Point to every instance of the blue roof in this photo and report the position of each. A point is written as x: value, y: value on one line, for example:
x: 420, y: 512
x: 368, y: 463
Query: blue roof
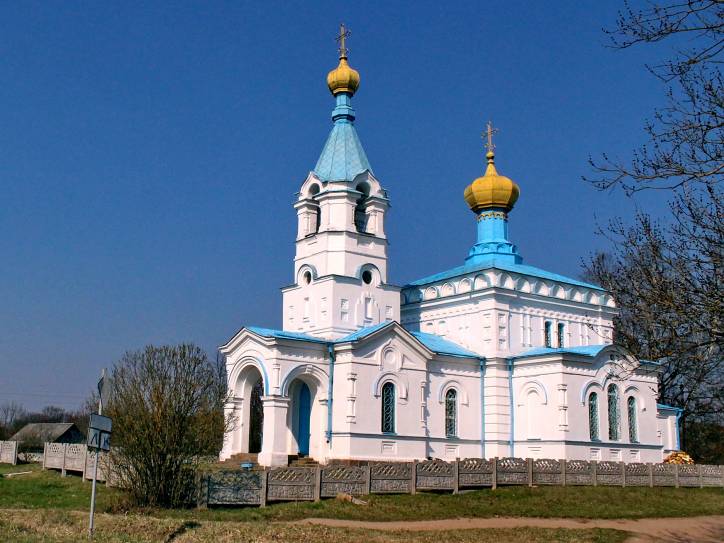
x: 440, y: 345
x: 588, y: 350
x: 343, y: 157
x: 500, y: 265
x: 670, y: 407
x: 282, y: 334
x: 363, y: 332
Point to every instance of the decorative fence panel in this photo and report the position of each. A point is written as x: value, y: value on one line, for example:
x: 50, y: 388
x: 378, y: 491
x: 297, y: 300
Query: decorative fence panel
x: 435, y: 475
x: 548, y: 472
x: 53, y: 456
x: 103, y: 465
x: 512, y: 471
x: 476, y: 472
x: 638, y: 474
x: 580, y: 472
x: 75, y: 457
x: 352, y: 480
x: 9, y: 452
x: 391, y: 478
x: 711, y: 475
x: 231, y: 488
x: 609, y: 473
x: 291, y: 484
x: 689, y: 475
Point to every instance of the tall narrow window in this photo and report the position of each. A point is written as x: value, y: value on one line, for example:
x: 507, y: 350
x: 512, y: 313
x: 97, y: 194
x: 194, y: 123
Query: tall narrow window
x: 614, y: 419
x: 561, y: 331
x: 451, y: 413
x: 547, y: 334
x: 388, y: 408
x: 633, y: 434
x: 593, y: 416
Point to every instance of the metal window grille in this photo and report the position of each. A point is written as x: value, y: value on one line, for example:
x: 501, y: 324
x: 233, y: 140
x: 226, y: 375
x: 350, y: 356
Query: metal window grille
x: 614, y: 422
x: 561, y: 330
x: 547, y: 334
x: 633, y: 436
x: 388, y: 408
x: 451, y: 413
x: 593, y: 416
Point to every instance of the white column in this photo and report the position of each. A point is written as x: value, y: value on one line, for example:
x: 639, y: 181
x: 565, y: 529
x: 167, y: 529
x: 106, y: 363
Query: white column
x: 274, y: 451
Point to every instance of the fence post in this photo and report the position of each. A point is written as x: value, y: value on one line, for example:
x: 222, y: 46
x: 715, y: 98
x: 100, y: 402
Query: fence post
x: 701, y: 477
x: 317, y: 483
x: 264, y: 484
x: 563, y: 472
x: 62, y: 471
x: 45, y: 453
x: 368, y: 473
x: 413, y: 477
x: 676, y: 475
x: 529, y: 462
x: 623, y: 473
x: 651, y: 475
x: 456, y: 476
x: 594, y: 472
x: 495, y: 473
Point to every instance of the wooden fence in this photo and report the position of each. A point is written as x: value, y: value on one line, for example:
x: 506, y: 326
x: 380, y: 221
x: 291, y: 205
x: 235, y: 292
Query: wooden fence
x: 76, y: 458
x: 9, y: 452
x: 311, y: 484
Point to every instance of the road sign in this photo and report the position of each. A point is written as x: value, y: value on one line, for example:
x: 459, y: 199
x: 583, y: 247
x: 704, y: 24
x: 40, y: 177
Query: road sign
x: 99, y: 432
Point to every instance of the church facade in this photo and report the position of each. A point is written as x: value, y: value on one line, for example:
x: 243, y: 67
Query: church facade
x: 491, y: 358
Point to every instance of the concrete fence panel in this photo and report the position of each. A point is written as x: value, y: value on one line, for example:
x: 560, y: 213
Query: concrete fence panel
x: 435, y: 475
x: 476, y: 472
x: 9, y: 452
x: 291, y: 484
x: 348, y: 479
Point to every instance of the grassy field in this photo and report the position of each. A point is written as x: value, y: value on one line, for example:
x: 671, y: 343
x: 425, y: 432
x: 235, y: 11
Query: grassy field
x: 43, y: 506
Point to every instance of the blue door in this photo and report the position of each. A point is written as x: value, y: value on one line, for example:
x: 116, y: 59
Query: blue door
x: 305, y: 412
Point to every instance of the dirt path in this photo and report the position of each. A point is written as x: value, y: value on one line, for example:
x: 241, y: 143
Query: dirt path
x: 685, y: 529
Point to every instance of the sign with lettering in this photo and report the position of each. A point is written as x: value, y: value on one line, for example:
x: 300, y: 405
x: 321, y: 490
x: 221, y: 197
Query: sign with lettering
x: 99, y: 432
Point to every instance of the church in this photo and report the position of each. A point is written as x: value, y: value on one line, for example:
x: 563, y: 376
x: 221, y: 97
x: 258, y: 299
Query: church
x: 491, y: 358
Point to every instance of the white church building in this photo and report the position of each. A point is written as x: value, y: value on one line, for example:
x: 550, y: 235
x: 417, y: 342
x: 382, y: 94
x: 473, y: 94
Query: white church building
x: 491, y: 358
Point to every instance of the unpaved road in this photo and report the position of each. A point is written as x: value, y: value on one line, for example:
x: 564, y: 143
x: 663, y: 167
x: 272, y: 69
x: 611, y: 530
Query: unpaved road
x: 679, y: 530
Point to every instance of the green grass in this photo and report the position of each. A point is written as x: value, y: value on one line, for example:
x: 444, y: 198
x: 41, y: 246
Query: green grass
x: 64, y: 527
x: 48, y: 490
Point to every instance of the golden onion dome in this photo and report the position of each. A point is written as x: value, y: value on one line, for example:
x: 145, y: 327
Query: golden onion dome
x: 492, y: 190
x: 343, y: 78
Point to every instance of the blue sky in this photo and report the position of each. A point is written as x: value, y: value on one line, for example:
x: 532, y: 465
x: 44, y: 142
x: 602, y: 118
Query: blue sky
x: 149, y: 156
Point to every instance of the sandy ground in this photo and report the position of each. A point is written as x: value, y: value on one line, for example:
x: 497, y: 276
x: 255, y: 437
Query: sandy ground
x: 678, y: 530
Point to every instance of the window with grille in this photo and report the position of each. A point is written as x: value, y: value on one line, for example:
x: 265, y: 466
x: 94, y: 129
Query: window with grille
x: 388, y: 408
x: 614, y: 422
x: 561, y: 331
x: 451, y: 413
x: 633, y: 434
x: 547, y: 334
x: 593, y: 416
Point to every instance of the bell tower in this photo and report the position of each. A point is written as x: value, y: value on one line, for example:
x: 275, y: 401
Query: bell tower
x: 340, y: 267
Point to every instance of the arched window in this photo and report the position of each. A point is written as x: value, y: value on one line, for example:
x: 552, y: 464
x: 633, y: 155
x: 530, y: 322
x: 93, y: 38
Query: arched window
x: 614, y: 418
x: 388, y: 408
x: 451, y: 413
x: 547, y: 334
x: 360, y: 210
x: 593, y: 416
x: 633, y: 434
x: 561, y: 331
x: 316, y: 215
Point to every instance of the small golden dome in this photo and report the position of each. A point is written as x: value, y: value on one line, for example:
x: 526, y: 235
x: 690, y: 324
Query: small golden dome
x: 492, y: 190
x: 343, y: 78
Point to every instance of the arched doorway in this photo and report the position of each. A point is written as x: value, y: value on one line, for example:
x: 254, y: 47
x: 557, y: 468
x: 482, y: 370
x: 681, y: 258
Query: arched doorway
x: 302, y: 428
x: 256, y: 417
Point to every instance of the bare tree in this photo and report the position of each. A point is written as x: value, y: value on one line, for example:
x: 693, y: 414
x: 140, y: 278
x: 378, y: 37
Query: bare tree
x: 167, y: 410
x: 10, y: 413
x: 686, y: 136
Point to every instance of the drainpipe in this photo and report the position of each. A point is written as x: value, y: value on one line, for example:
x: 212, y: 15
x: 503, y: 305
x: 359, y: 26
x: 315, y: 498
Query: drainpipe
x: 481, y: 361
x: 330, y: 392
x: 512, y: 406
x: 679, y: 413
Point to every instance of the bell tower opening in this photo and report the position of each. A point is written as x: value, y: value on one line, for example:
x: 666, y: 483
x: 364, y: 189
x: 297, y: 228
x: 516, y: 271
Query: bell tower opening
x: 360, y: 210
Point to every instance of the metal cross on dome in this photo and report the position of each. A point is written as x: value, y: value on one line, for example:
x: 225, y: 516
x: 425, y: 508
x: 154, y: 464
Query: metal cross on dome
x: 344, y: 33
x: 488, y: 136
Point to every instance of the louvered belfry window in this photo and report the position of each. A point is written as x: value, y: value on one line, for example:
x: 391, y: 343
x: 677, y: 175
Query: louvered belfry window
x: 388, y: 408
x: 451, y: 413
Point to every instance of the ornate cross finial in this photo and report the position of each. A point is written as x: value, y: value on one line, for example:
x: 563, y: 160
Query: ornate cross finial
x: 342, y: 38
x: 488, y: 135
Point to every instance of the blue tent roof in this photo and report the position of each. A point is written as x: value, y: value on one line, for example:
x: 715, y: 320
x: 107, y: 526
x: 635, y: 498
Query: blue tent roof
x: 343, y: 157
x: 588, y: 350
x: 500, y: 265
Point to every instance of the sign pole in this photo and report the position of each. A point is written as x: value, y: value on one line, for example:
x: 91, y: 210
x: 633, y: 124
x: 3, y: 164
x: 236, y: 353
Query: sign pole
x: 95, y: 469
